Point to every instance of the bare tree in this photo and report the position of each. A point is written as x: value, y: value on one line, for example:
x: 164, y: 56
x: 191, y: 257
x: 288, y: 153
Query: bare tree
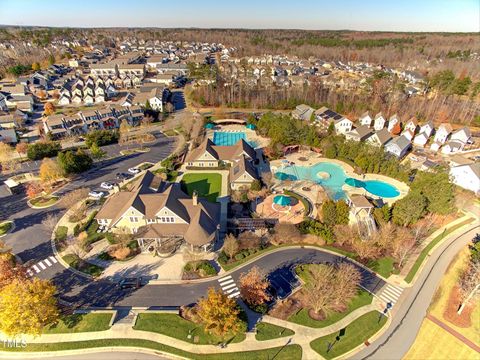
x: 470, y: 285
x: 286, y: 234
x: 50, y: 221
x: 230, y: 246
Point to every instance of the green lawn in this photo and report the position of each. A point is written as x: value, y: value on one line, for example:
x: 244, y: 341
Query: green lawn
x: 208, y: 185
x: 266, y: 331
x: 81, y: 265
x: 76, y: 323
x: 355, y: 334
x: 301, y: 317
x: 175, y: 326
x: 41, y: 201
x: 382, y: 266
x: 5, y: 227
x: 291, y: 352
x: 435, y: 241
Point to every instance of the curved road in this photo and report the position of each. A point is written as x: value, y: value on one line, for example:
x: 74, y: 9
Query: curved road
x: 401, y: 334
x: 31, y: 242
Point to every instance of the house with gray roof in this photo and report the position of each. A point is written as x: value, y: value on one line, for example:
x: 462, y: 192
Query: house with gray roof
x: 399, y: 146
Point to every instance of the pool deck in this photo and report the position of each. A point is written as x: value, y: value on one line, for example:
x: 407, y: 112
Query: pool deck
x: 250, y: 134
x: 315, y: 158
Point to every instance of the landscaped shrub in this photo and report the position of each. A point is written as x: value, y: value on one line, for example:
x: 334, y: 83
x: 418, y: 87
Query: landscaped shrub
x: 43, y: 149
x: 206, y: 269
x: 222, y: 258
x: 61, y: 235
x: 239, y: 256
x: 76, y: 229
x: 101, y: 137
x: 120, y: 253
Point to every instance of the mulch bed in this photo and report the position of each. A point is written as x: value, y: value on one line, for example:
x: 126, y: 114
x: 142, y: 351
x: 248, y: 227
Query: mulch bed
x: 284, y: 309
x: 450, y: 314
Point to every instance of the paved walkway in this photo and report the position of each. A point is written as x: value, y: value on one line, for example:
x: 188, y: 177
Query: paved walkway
x: 455, y: 333
x: 303, y: 336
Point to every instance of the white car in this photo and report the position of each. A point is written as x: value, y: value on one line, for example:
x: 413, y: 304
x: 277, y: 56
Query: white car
x: 133, y: 170
x: 96, y: 194
x: 106, y: 185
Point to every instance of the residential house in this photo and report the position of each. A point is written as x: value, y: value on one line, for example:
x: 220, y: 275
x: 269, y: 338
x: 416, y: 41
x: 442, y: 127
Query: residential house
x: 8, y: 136
x: 442, y: 133
x: 54, y: 126
x: 162, y: 216
x: 303, y: 112
x: 467, y: 176
x: 399, y: 146
x: 325, y: 116
x: 441, y: 136
x: 104, y: 69
x: 380, y: 138
x: 8, y: 121
x: 360, y: 133
x: 379, y: 122
x: 411, y: 125
x: 424, y: 134
x: 132, y: 69
x: 365, y: 119
x: 394, y: 125
x: 457, y: 141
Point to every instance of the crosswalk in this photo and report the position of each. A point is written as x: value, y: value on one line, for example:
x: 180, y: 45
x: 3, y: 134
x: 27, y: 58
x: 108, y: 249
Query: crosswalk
x: 41, y: 265
x: 390, y: 294
x: 229, y: 287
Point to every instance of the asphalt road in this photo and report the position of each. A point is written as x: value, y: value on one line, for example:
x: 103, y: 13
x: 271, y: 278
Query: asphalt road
x: 401, y: 334
x: 30, y: 239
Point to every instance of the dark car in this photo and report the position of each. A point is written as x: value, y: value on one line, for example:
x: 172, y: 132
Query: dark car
x: 122, y: 176
x: 130, y: 283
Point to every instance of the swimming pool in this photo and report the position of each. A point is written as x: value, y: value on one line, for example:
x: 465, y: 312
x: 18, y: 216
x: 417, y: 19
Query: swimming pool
x: 229, y: 138
x: 332, y: 177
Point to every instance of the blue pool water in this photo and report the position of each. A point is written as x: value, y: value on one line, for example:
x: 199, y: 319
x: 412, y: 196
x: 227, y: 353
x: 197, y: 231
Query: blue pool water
x: 227, y: 138
x: 334, y: 180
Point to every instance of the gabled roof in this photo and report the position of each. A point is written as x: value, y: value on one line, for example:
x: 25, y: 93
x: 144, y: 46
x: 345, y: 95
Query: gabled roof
x: 240, y: 167
x: 149, y: 195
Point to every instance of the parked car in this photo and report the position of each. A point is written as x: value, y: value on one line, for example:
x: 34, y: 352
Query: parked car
x: 130, y: 283
x: 123, y: 176
x: 96, y: 194
x: 134, y: 170
x: 106, y: 185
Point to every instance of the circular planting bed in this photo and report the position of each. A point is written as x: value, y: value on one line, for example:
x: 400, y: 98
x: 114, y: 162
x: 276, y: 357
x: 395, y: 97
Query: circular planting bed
x: 43, y: 201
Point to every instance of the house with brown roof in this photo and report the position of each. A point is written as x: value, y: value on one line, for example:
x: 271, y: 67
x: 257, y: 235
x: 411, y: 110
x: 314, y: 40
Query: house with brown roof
x: 161, y: 216
x: 240, y: 157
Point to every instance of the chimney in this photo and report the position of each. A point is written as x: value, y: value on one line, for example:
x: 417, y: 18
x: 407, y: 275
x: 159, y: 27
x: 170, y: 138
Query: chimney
x: 195, y: 198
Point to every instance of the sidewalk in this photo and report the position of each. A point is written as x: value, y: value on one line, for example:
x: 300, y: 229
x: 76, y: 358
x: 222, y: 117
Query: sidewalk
x: 303, y: 336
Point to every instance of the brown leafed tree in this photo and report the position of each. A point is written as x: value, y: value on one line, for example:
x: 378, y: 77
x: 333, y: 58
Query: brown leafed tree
x: 21, y: 148
x: 10, y: 271
x: 218, y: 313
x: 230, y: 245
x: 49, y: 109
x: 253, y: 287
x: 50, y: 171
x: 73, y: 197
x: 286, y: 234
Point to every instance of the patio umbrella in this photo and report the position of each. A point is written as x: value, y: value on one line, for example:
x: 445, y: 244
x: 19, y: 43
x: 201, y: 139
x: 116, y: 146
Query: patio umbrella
x: 209, y: 126
x: 282, y: 200
x: 251, y: 126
